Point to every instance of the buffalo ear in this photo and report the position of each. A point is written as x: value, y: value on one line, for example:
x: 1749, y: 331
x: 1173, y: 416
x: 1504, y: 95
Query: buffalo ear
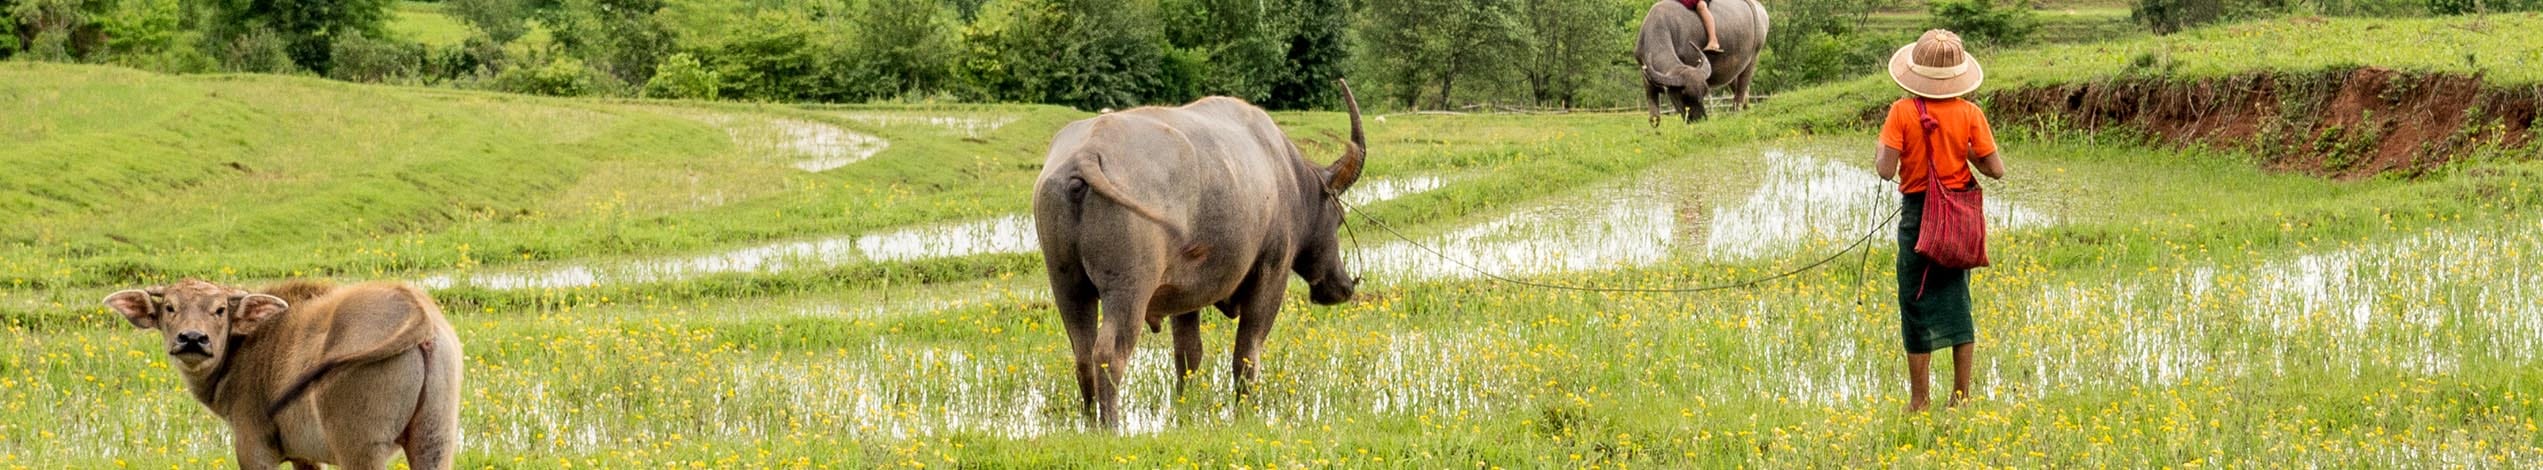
x: 135, y: 307
x: 254, y: 309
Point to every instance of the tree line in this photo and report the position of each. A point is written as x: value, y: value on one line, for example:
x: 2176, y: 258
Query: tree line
x: 1284, y: 54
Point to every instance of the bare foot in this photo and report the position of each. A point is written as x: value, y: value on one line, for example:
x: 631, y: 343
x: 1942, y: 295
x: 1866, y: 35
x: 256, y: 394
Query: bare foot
x: 1713, y: 47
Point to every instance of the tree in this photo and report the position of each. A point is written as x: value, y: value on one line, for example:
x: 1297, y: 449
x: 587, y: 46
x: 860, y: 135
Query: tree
x: 1985, y: 22
x: 683, y: 77
x: 1317, y: 54
x: 8, y: 29
x: 52, y: 25
x: 499, y: 19
x: 621, y: 38
x: 1565, y: 42
x: 307, y: 29
x: 908, y: 40
x: 1816, y: 41
x: 1423, y: 44
x: 1084, y: 53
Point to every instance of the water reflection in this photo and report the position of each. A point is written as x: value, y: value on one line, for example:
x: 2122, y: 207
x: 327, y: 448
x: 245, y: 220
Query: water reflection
x: 1384, y: 189
x: 1802, y: 201
x: 1005, y: 234
x: 966, y: 126
x: 806, y: 145
x: 1008, y: 234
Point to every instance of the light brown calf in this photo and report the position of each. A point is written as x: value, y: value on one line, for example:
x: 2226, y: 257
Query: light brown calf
x: 313, y: 374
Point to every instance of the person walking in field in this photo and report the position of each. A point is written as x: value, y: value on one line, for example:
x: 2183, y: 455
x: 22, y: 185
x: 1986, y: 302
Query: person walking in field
x: 1712, y: 40
x: 1934, y: 137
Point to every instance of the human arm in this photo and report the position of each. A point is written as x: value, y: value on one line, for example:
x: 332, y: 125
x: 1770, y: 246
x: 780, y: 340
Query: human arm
x: 1983, y: 145
x: 1887, y: 163
x: 1991, y: 165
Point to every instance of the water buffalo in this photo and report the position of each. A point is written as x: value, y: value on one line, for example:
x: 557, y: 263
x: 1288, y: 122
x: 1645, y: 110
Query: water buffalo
x: 1157, y: 212
x: 1671, y: 51
x: 309, y: 373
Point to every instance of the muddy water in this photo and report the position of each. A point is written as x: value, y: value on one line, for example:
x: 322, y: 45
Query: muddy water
x: 1382, y: 189
x: 1800, y: 201
x: 1008, y: 234
x: 2425, y: 303
x: 1004, y: 234
x: 966, y: 126
x: 805, y: 145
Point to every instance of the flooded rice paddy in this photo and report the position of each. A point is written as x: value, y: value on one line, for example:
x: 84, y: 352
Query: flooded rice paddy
x: 965, y: 126
x: 805, y: 145
x: 1802, y: 201
x: 985, y: 358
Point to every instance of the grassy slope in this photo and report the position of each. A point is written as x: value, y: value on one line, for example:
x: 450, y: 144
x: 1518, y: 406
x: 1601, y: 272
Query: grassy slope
x: 1568, y: 379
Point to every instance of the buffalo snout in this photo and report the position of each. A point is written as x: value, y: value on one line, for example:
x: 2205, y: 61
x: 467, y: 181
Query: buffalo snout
x: 191, y: 346
x: 1333, y: 292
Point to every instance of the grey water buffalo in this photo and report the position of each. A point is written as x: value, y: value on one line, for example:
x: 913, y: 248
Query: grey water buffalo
x: 1157, y: 212
x: 1671, y: 51
x: 310, y: 373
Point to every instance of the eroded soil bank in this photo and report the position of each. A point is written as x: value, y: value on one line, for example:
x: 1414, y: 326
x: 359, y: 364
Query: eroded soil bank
x: 2342, y: 124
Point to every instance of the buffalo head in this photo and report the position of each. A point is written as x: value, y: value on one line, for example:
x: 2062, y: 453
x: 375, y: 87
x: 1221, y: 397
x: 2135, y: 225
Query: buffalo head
x: 1320, y: 259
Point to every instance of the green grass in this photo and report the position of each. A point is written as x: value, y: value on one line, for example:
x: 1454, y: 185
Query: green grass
x: 2056, y: 24
x: 427, y: 23
x: 2163, y: 320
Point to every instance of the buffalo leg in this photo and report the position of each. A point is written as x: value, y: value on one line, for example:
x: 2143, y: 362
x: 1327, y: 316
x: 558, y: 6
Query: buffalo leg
x: 1254, y: 325
x: 1651, y: 96
x: 1187, y: 349
x: 1739, y: 87
x: 1116, y: 338
x: 369, y: 408
x: 432, y: 434
x: 1075, y: 296
x: 256, y: 451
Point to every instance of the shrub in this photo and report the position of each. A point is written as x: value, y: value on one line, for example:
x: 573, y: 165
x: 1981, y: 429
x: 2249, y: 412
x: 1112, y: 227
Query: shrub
x: 561, y: 76
x: 255, y: 50
x: 360, y: 58
x: 681, y: 76
x: 306, y: 29
x: 1985, y: 22
x: 1083, y: 53
x: 2463, y: 7
x: 773, y: 57
x: 1820, y: 56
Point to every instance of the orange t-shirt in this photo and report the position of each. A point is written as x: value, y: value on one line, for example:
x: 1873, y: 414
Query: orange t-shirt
x: 1965, y: 135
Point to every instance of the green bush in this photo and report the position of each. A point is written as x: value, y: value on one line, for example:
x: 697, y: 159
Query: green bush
x: 622, y: 38
x: 255, y: 50
x: 774, y: 56
x: 307, y: 29
x: 359, y: 58
x: 2465, y: 7
x: 681, y: 76
x: 1984, y: 22
x: 561, y: 76
x: 908, y: 41
x: 1819, y: 57
x: 1084, y: 53
x: 8, y: 40
x: 500, y: 20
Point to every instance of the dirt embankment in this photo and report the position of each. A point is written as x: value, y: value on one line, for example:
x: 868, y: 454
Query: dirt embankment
x: 2341, y: 124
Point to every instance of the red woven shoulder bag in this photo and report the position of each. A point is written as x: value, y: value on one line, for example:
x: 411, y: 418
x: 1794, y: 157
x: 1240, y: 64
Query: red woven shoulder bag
x: 1953, y: 232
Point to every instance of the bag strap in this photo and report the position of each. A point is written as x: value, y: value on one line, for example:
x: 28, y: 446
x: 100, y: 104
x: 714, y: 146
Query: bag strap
x: 1933, y: 133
